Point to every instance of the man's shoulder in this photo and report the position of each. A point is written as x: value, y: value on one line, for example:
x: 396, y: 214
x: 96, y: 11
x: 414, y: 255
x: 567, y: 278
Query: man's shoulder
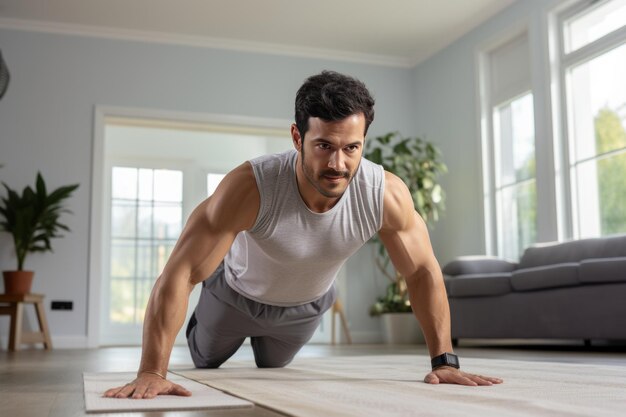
x: 240, y: 177
x: 397, y: 202
x: 236, y: 200
x: 394, y: 186
x: 273, y: 170
x: 273, y: 160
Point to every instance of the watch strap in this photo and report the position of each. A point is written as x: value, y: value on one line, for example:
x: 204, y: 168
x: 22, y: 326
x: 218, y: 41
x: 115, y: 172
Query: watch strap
x: 445, y: 359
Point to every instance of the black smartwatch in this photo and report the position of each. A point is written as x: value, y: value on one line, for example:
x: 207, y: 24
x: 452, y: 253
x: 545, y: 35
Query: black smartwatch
x: 445, y: 359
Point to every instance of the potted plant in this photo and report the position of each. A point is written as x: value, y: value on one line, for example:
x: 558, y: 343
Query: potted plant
x: 418, y: 164
x: 32, y: 219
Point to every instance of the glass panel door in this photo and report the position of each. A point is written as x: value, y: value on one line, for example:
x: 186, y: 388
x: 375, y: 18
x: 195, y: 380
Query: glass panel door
x: 146, y: 220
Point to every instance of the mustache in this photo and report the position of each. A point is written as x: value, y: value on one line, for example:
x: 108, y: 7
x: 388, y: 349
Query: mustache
x: 333, y: 173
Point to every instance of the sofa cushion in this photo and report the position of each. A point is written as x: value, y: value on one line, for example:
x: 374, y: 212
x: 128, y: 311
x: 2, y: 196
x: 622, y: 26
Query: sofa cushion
x: 475, y: 285
x: 541, y: 277
x: 594, y: 271
x: 465, y: 265
x: 574, y: 251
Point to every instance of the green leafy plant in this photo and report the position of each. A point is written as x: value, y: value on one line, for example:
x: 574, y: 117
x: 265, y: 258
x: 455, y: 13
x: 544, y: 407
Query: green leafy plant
x: 418, y: 163
x: 32, y: 218
x: 395, y: 300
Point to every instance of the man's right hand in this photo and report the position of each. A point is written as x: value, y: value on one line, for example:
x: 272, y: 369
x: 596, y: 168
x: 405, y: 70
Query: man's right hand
x: 147, y: 386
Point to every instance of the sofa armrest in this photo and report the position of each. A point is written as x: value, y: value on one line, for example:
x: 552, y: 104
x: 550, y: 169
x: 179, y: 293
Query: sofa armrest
x: 465, y: 265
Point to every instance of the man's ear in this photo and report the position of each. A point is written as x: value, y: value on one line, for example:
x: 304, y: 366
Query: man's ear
x: 295, y: 136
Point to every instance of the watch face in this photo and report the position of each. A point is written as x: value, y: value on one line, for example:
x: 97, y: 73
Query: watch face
x: 445, y: 359
x: 452, y: 360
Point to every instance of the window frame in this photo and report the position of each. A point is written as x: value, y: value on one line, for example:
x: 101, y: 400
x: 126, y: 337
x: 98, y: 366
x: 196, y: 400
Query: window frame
x: 486, y: 105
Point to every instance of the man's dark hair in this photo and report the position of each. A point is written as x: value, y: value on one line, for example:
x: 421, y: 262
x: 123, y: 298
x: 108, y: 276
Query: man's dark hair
x: 332, y: 96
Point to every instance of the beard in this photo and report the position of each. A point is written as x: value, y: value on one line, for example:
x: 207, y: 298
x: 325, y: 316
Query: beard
x: 317, y: 179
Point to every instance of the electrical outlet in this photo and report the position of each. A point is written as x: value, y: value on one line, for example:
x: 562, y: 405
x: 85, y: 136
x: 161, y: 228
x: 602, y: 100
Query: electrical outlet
x: 61, y: 305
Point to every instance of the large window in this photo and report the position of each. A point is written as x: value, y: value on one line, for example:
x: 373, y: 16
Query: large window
x: 593, y: 45
x: 553, y: 127
x: 509, y: 142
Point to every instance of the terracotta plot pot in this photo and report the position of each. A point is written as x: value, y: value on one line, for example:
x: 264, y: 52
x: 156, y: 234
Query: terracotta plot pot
x: 17, y: 282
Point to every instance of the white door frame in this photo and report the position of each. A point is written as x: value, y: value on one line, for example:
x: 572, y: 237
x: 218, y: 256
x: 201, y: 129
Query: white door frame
x: 102, y: 114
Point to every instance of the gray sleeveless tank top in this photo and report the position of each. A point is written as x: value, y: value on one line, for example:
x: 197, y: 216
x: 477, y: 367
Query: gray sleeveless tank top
x: 291, y: 255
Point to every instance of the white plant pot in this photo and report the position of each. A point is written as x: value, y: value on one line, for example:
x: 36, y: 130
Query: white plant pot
x: 401, y: 329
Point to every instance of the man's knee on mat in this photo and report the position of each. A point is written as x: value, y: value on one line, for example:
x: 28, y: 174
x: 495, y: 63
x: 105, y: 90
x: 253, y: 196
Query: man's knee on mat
x: 272, y: 363
x: 207, y: 364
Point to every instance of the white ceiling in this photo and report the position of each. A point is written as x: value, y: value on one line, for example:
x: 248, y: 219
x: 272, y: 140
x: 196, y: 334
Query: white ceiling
x: 392, y: 32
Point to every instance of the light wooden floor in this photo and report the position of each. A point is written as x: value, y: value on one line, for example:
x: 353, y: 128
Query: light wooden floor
x: 36, y: 383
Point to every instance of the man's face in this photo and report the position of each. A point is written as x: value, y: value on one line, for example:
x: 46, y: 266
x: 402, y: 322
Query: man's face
x: 331, y: 153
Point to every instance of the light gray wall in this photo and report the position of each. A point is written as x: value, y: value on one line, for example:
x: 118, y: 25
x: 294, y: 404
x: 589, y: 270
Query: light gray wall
x: 46, y: 121
x: 447, y: 113
x: 47, y: 117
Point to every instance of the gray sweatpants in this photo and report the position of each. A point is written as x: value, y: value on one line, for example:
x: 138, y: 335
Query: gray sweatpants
x: 224, y: 318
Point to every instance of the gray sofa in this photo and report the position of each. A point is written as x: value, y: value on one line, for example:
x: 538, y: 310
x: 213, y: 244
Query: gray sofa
x: 571, y: 290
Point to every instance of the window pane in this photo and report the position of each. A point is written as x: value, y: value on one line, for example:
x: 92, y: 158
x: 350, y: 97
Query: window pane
x: 168, y: 185
x: 124, y: 183
x: 122, y: 301
x: 612, y: 188
x: 122, y: 258
x: 598, y: 92
x: 594, y: 23
x: 123, y: 217
x: 145, y: 220
x: 518, y: 218
x: 145, y: 184
x: 602, y: 196
x: 145, y: 259
x: 167, y: 221
x: 515, y: 141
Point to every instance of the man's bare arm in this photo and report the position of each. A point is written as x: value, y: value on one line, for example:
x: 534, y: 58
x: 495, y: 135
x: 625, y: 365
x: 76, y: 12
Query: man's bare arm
x: 406, y: 239
x: 203, y: 243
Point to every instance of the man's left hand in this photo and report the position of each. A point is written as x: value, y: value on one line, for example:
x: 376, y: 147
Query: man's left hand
x: 449, y: 375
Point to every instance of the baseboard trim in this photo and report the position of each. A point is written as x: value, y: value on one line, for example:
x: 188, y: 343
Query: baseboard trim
x: 58, y: 342
x: 81, y: 342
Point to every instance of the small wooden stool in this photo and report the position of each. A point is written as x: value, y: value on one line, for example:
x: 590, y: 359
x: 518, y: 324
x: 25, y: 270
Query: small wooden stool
x: 15, y: 309
x: 338, y: 309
